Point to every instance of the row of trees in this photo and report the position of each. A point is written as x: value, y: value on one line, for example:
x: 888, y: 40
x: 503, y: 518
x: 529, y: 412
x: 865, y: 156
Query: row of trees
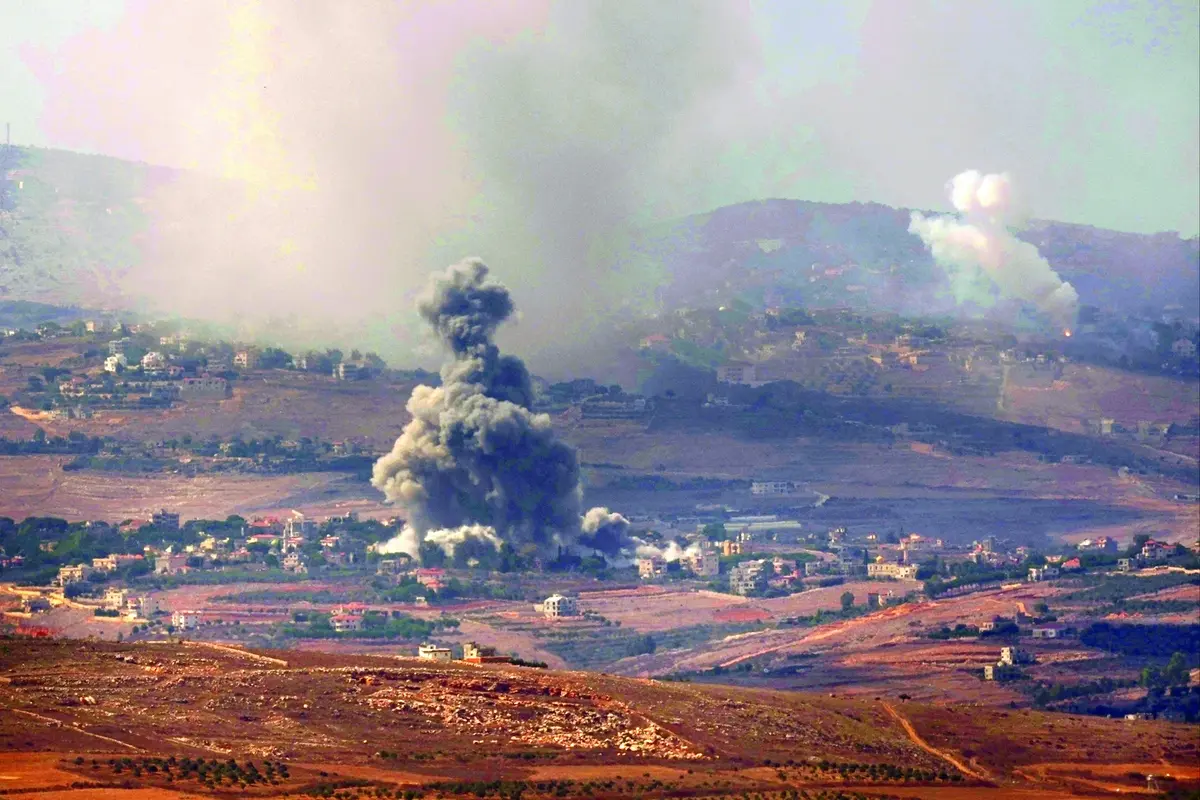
x: 74, y: 443
x: 1152, y: 641
x: 376, y: 625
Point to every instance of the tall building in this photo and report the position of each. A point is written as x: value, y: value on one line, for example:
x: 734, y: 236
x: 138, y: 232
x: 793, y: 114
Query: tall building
x: 748, y: 577
x: 165, y: 520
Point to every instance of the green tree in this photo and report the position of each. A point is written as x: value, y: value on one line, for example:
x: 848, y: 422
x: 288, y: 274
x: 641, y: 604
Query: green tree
x: 1176, y: 671
x: 847, y: 601
x: 274, y: 358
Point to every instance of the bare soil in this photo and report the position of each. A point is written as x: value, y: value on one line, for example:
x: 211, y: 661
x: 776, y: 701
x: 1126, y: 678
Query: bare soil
x: 332, y: 714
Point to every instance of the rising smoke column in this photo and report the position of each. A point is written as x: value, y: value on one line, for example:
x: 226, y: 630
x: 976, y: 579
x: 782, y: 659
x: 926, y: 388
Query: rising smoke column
x: 980, y: 240
x: 604, y: 530
x: 475, y: 463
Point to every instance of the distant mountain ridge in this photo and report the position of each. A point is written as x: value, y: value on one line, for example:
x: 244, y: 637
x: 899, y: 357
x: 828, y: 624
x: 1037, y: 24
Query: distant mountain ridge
x: 72, y: 225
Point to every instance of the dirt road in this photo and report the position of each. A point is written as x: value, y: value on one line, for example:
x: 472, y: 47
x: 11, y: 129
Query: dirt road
x: 58, y: 723
x: 927, y: 747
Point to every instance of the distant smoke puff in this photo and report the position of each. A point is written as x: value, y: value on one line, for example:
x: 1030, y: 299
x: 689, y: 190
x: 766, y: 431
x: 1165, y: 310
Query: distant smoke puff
x: 981, y: 241
x: 475, y: 463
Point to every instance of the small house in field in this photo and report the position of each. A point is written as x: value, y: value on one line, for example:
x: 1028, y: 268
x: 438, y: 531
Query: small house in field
x: 477, y: 654
x: 433, y: 652
x: 1047, y: 631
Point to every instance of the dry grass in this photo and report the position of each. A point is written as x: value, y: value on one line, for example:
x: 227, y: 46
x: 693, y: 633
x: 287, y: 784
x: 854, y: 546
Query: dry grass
x: 314, y: 713
x: 37, y: 485
x: 658, y: 609
x: 1091, y: 392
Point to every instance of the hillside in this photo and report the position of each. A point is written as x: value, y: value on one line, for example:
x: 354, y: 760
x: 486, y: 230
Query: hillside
x: 72, y: 225
x: 794, y: 252
x: 163, y: 717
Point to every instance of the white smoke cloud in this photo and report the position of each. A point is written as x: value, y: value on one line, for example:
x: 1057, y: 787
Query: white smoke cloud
x: 672, y: 552
x: 980, y: 242
x: 450, y: 538
x: 407, y: 541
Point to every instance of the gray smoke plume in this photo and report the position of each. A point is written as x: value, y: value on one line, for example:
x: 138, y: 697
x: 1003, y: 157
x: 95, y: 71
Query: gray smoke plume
x: 475, y: 462
x: 981, y: 243
x: 604, y: 530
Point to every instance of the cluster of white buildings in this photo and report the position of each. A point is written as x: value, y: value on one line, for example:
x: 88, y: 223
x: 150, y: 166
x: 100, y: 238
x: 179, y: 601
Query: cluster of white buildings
x: 701, y: 561
x: 141, y: 606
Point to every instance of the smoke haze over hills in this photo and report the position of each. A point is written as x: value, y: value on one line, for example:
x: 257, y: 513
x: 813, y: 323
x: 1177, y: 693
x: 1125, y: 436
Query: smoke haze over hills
x: 356, y: 146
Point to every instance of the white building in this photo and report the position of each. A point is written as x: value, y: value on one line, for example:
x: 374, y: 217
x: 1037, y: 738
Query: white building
x: 75, y: 574
x: 143, y: 606
x: 246, y: 359
x: 1042, y: 573
x: 704, y: 564
x: 1046, y: 632
x: 114, y: 598
x: 104, y: 564
x: 881, y: 569
x: 154, y: 361
x: 185, y: 620
x: 301, y: 526
x: 342, y: 623
x: 557, y: 605
x: 651, y: 567
x: 294, y: 562
x: 1013, y: 656
x: 748, y: 577
x: 771, y: 488
x: 115, y: 363
x: 433, y: 652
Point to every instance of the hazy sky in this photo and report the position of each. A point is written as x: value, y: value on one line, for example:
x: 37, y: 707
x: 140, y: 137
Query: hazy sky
x: 1093, y: 106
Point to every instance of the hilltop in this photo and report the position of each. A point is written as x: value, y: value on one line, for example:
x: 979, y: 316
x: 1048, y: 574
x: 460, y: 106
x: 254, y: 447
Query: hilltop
x: 201, y: 719
x: 73, y: 225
